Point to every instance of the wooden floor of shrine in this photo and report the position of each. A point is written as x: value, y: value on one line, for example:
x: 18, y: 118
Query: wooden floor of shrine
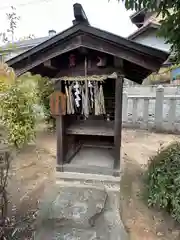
x: 93, y: 160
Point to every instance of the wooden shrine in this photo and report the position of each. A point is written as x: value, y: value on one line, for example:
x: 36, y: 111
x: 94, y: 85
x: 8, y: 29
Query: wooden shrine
x: 88, y: 67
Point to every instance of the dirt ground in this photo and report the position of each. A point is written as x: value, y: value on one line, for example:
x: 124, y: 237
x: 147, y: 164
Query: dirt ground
x: 33, y: 170
x: 141, y: 222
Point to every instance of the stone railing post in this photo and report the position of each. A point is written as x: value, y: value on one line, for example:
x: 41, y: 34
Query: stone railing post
x: 159, y: 107
x: 134, y: 111
x: 146, y: 112
x: 125, y: 107
x: 172, y: 114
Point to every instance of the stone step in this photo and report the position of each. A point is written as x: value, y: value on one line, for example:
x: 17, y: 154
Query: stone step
x: 80, y: 211
x: 77, y: 168
x: 66, y: 234
x: 91, y: 179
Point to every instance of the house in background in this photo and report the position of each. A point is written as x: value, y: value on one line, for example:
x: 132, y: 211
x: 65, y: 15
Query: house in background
x: 147, y: 24
x: 9, y: 51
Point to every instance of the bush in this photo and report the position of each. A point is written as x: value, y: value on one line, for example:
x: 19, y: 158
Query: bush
x: 45, y: 87
x: 163, y: 180
x: 18, y: 115
x: 21, y: 102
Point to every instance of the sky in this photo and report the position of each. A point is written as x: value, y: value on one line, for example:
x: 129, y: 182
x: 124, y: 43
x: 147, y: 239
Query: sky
x: 39, y: 16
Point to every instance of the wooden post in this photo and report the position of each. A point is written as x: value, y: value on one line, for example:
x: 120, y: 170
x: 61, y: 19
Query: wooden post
x: 118, y: 120
x: 60, y: 140
x: 86, y: 87
x: 59, y: 154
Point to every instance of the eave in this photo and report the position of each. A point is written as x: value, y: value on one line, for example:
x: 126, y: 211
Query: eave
x: 146, y: 27
x: 142, y: 59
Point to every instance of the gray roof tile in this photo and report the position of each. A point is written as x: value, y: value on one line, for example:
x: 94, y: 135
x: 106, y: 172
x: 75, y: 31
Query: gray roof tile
x: 26, y: 43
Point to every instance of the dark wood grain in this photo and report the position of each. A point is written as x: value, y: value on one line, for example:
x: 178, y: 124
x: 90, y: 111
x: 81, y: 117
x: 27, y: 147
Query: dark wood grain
x: 60, y: 137
x: 97, y: 44
x: 48, y: 54
x: 96, y: 128
x: 118, y: 121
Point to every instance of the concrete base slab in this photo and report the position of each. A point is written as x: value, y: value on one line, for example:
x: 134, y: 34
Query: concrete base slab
x: 87, y: 211
x: 66, y: 234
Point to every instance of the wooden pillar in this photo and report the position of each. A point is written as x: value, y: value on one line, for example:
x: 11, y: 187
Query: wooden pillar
x: 60, y: 138
x: 118, y: 120
x: 60, y: 153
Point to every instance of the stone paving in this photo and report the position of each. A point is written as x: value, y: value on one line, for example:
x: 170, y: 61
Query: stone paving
x: 80, y: 211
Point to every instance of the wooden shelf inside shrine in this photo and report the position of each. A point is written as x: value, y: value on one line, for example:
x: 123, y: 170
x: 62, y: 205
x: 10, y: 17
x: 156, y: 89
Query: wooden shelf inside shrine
x: 91, y: 141
x: 91, y: 127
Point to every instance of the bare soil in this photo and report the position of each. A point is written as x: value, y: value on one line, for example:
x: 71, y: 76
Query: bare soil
x: 141, y: 222
x: 33, y: 171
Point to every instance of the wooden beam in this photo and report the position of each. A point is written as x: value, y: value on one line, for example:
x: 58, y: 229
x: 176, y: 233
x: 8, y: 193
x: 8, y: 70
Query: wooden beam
x: 118, y: 62
x: 48, y: 64
x: 90, y: 42
x: 63, y: 47
x: 118, y: 120
x: 46, y: 44
x: 159, y: 55
x: 98, y: 44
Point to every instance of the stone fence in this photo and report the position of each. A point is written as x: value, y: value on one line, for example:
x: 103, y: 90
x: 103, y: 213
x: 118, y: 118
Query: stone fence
x: 169, y: 89
x: 159, y: 110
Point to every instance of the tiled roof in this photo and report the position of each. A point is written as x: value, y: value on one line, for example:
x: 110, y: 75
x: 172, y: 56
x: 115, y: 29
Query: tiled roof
x: 26, y: 43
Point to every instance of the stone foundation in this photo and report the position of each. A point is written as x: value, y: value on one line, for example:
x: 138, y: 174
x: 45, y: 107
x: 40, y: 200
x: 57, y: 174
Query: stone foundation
x: 83, y: 207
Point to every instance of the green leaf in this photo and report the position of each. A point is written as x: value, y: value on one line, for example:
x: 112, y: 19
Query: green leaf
x: 170, y: 12
x: 163, y: 180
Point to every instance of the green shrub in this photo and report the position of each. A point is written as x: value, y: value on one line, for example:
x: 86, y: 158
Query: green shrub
x: 18, y: 116
x: 163, y: 180
x: 45, y: 88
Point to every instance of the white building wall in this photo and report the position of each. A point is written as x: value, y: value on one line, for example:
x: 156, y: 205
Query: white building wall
x: 149, y: 38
